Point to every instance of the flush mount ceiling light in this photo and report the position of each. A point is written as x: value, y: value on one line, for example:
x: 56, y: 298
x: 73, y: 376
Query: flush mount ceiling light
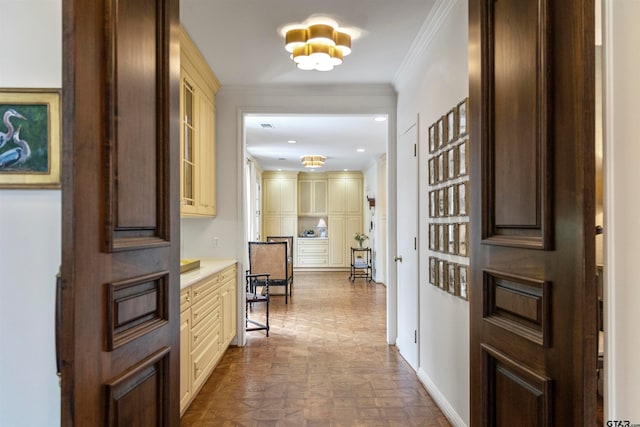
x: 318, y: 44
x: 313, y: 161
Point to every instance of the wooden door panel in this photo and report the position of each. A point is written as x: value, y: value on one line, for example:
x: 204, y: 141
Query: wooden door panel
x: 532, y: 309
x: 120, y: 294
x: 516, y: 395
x: 514, y: 107
x: 140, y: 396
x: 137, y: 186
x: 133, y: 80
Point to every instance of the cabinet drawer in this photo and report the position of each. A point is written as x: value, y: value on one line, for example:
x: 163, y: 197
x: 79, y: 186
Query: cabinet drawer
x: 228, y: 274
x: 200, y: 310
x: 185, y: 299
x: 313, y: 249
x: 206, y: 329
x: 202, y: 290
x: 204, y: 359
x: 313, y: 261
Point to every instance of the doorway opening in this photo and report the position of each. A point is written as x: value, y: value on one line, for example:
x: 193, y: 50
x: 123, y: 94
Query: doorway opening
x: 359, y: 142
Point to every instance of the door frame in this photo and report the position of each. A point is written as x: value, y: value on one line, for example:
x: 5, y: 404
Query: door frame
x: 390, y: 112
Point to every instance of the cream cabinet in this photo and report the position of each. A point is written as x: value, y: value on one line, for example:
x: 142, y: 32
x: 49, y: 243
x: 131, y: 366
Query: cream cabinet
x: 185, y: 348
x: 198, y: 87
x: 345, y: 193
x: 279, y: 203
x: 312, y: 195
x: 345, y: 215
x: 207, y: 325
x: 313, y: 252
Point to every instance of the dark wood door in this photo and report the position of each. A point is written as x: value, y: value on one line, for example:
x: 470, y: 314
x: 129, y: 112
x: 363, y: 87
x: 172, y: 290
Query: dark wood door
x: 532, y: 297
x: 119, y: 295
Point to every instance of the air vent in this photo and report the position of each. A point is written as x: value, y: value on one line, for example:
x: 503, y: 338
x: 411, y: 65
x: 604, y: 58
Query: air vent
x: 281, y: 158
x: 266, y: 125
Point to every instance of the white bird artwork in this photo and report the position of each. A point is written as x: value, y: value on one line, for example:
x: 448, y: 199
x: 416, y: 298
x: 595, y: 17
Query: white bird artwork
x: 16, y: 156
x: 8, y: 135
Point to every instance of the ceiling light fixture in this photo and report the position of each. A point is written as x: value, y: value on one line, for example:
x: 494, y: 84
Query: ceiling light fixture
x: 313, y: 162
x: 317, y: 45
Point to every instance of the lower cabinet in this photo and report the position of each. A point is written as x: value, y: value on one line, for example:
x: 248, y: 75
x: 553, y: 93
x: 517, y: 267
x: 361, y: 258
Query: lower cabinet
x: 313, y: 252
x: 207, y: 326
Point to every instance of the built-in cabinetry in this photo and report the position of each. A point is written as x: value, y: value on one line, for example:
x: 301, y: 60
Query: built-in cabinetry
x: 208, y: 310
x: 279, y: 203
x: 198, y: 87
x: 312, y: 195
x: 344, y: 213
x: 313, y: 252
x: 293, y: 203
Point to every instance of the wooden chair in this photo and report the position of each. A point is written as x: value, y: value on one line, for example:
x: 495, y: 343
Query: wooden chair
x: 257, y: 291
x: 289, y: 240
x: 271, y: 258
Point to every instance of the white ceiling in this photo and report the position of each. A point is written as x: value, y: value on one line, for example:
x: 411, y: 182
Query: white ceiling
x: 240, y: 40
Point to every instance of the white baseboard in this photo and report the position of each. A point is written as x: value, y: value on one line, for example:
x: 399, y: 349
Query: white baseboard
x: 440, y: 400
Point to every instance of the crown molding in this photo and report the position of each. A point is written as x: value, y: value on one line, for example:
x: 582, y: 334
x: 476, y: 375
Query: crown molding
x: 425, y: 35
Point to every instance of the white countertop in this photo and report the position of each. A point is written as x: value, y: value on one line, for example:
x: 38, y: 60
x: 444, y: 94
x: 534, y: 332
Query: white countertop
x: 207, y: 268
x: 313, y: 238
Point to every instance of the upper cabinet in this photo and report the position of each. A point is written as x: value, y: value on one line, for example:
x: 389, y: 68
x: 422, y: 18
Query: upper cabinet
x: 198, y: 87
x: 345, y: 193
x: 279, y: 203
x: 279, y: 193
x: 312, y: 195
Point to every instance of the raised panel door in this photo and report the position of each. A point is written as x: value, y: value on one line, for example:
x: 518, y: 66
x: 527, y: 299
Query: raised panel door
x: 353, y: 195
x: 319, y: 197
x: 305, y: 197
x: 337, y: 246
x: 288, y: 226
x: 228, y: 302
x: 272, y: 225
x: 533, y: 342
x: 271, y: 196
x: 337, y: 194
x: 119, y: 303
x: 185, y: 359
x: 288, y: 196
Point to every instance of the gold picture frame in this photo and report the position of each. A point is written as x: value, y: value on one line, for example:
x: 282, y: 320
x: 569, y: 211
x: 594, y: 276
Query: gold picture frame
x: 452, y: 124
x: 30, y: 134
x: 462, y: 125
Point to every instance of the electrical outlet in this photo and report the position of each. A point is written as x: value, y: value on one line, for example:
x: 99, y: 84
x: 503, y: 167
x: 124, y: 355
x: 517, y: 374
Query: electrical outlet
x: 216, y: 242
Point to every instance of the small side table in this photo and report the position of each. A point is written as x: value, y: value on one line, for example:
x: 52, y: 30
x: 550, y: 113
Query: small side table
x: 361, y: 265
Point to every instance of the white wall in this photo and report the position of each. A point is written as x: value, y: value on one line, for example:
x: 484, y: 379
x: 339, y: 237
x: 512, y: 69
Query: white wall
x: 433, y: 82
x: 30, y: 250
x: 622, y: 204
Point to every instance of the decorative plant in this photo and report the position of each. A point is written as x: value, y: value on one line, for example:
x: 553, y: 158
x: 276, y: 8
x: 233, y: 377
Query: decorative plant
x: 360, y: 238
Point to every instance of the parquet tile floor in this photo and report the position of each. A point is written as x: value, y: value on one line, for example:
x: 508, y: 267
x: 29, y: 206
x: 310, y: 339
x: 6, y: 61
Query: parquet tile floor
x: 325, y: 363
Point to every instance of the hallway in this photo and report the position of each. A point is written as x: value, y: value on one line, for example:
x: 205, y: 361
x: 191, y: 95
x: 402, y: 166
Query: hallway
x: 325, y: 363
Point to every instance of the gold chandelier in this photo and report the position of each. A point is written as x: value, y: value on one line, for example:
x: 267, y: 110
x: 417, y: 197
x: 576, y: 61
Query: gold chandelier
x: 313, y: 161
x: 317, y: 45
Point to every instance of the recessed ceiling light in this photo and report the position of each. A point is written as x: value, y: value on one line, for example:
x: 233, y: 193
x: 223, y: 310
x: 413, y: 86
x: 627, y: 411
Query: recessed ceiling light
x: 291, y: 141
x: 380, y: 119
x: 346, y: 170
x: 360, y: 150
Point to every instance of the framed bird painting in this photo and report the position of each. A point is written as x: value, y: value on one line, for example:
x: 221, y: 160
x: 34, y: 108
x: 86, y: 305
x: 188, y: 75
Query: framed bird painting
x: 30, y: 138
